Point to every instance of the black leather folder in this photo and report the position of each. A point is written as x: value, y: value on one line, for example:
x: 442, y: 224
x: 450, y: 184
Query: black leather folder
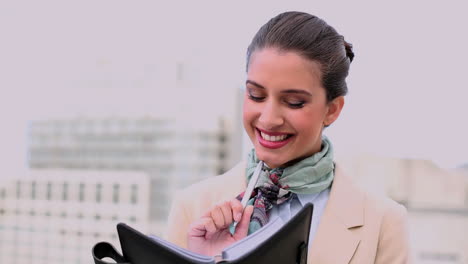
x: 287, y: 243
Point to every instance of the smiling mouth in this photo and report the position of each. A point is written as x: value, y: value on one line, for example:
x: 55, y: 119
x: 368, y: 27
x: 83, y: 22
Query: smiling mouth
x: 276, y: 137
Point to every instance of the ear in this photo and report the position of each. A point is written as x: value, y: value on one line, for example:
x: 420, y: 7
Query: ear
x: 334, y: 110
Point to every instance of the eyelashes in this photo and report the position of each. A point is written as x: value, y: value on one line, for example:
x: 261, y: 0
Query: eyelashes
x: 296, y: 105
x: 255, y: 98
x: 293, y: 105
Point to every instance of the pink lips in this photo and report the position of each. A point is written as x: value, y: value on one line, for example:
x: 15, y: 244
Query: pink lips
x: 271, y: 144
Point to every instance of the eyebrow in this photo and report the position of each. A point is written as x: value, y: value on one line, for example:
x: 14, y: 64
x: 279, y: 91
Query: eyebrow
x: 288, y: 91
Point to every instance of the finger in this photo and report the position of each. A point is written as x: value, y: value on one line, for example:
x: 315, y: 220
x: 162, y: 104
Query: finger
x: 197, y: 229
x: 210, y: 227
x: 243, y: 226
x: 237, y: 209
x: 218, y: 217
x: 200, y: 227
x: 227, y: 213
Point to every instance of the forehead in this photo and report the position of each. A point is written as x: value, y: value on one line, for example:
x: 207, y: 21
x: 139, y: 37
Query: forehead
x: 274, y: 68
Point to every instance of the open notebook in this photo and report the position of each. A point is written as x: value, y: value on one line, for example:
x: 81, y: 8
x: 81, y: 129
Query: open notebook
x: 276, y: 242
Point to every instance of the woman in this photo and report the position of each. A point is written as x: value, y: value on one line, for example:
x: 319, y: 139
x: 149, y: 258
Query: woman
x: 295, y: 87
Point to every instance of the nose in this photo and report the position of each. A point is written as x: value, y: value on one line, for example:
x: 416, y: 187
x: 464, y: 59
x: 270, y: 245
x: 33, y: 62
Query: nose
x: 270, y: 116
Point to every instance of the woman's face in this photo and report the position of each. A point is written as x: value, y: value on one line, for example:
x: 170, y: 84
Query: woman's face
x: 285, y: 106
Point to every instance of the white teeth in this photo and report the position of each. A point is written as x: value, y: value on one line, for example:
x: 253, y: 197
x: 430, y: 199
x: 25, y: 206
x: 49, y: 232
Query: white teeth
x: 272, y: 138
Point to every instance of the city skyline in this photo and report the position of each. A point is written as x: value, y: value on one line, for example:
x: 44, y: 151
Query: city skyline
x: 117, y: 58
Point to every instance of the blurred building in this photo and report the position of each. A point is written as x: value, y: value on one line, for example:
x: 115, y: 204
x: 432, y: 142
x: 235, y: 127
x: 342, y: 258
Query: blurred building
x: 89, y: 174
x: 130, y: 144
x: 56, y: 216
x: 436, y: 199
x: 173, y: 153
x: 464, y: 167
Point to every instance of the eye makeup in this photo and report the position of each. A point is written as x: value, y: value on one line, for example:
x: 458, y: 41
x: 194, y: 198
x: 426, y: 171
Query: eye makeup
x: 292, y: 101
x: 295, y: 104
x: 255, y: 95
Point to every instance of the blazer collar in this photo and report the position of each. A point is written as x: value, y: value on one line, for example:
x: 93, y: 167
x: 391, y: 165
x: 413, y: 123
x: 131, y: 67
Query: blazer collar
x: 338, y: 233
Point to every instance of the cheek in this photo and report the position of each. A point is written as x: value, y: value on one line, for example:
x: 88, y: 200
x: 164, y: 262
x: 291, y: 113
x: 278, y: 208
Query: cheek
x: 247, y: 114
x: 308, y: 123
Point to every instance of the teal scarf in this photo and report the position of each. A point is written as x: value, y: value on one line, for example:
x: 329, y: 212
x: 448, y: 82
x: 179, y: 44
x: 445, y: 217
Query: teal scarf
x: 307, y: 176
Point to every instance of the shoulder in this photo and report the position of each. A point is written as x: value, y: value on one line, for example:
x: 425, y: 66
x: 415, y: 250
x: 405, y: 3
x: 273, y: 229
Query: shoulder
x: 391, y: 214
x: 388, y: 208
x: 391, y: 218
x: 374, y: 205
x: 202, y: 195
x: 233, y: 179
x: 392, y: 230
x: 384, y: 229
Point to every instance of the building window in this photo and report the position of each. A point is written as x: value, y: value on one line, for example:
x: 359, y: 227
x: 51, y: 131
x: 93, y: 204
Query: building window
x: 446, y: 257
x: 134, y: 194
x: 65, y: 191
x: 18, y: 189
x: 115, y: 195
x: 33, y: 190
x: 221, y: 155
x: 82, y: 192
x: 49, y: 191
x: 98, y: 192
x: 2, y: 194
x: 222, y: 138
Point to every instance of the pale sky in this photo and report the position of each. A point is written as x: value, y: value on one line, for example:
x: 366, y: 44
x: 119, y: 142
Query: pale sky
x: 120, y: 58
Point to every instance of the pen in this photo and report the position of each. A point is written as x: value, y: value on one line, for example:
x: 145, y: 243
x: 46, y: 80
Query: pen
x: 253, y: 181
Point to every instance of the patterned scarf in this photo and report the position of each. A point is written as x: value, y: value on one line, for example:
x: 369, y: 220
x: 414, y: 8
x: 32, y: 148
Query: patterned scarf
x: 275, y: 186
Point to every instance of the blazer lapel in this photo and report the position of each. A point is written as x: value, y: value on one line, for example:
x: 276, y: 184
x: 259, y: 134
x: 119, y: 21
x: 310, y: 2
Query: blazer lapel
x: 338, y: 234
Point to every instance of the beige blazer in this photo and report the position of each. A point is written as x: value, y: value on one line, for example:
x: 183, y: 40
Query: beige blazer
x: 355, y: 227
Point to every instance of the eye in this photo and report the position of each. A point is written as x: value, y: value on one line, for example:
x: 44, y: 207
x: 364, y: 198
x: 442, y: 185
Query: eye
x: 295, y: 104
x: 255, y: 95
x: 256, y: 98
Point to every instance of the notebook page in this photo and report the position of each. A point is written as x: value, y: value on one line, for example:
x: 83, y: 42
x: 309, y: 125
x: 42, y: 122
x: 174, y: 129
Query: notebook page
x: 250, y: 242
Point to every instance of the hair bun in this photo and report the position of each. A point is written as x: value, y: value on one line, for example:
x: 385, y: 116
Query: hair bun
x: 349, y: 51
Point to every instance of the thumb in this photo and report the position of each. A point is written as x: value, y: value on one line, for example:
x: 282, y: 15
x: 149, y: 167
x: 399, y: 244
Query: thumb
x: 243, y: 226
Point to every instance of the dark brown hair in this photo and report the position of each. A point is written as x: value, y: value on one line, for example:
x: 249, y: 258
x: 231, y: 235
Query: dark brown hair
x: 312, y: 38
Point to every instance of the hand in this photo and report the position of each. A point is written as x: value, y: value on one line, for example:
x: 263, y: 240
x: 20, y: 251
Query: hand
x: 210, y: 234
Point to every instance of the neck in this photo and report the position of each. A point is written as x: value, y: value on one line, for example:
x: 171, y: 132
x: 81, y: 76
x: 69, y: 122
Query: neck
x: 296, y: 160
